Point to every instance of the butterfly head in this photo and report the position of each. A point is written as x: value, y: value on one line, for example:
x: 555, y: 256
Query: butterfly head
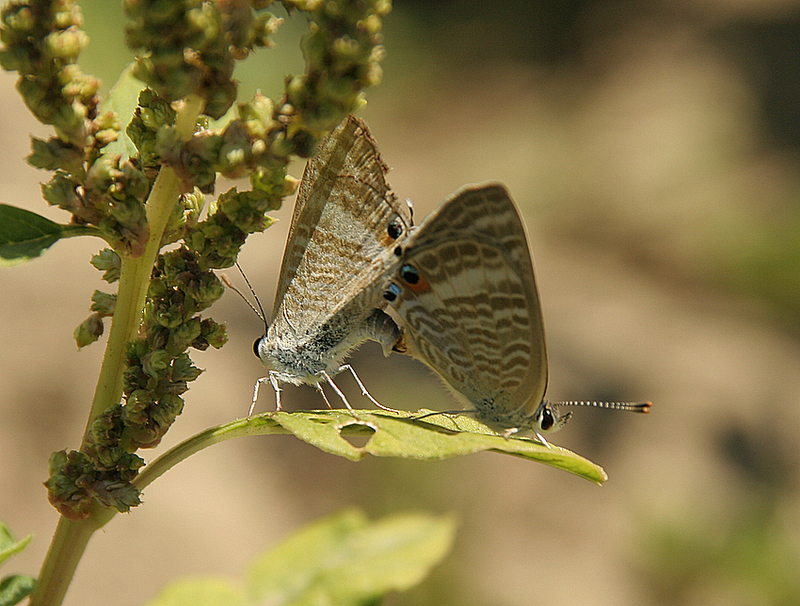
x: 548, y: 418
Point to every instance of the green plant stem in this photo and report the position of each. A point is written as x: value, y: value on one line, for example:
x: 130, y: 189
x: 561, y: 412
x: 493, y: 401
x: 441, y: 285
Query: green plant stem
x: 135, y: 273
x: 66, y: 550
x: 71, y: 537
x: 260, y: 425
x: 72, y: 231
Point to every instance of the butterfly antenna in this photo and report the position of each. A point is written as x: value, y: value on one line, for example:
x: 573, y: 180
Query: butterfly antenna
x: 626, y: 406
x: 259, y: 311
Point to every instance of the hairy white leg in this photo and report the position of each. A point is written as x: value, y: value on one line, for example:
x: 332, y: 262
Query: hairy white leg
x: 274, y: 380
x: 318, y: 387
x: 255, y: 395
x: 335, y: 387
x: 364, y: 391
x: 540, y: 437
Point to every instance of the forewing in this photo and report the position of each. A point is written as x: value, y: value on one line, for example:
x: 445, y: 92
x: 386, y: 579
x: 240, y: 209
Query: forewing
x: 469, y: 302
x: 340, y: 237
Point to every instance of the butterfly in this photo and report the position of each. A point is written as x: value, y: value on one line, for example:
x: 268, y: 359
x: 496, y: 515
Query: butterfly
x: 464, y: 287
x: 461, y: 284
x: 344, y: 231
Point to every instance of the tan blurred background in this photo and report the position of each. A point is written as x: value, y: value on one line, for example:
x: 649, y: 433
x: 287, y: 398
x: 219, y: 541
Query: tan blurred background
x: 654, y: 148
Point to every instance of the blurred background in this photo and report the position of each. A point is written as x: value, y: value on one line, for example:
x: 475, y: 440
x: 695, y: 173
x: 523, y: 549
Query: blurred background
x: 653, y: 147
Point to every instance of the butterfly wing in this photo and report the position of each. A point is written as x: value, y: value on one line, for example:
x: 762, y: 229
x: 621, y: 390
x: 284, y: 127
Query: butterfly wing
x: 344, y: 226
x: 466, y: 291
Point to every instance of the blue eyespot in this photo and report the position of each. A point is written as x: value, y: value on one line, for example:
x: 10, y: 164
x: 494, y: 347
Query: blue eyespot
x: 392, y: 292
x: 410, y: 274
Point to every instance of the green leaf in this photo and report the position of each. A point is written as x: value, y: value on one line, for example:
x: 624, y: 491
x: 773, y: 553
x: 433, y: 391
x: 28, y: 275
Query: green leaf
x: 346, y: 560
x: 342, y: 559
x: 25, y: 235
x: 10, y: 546
x: 15, y: 588
x: 435, y: 437
x: 199, y: 592
x: 381, y: 434
x: 123, y: 98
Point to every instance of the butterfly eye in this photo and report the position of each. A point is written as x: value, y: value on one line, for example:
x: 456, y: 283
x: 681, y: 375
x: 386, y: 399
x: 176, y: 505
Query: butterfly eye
x: 392, y: 292
x: 546, y: 420
x: 395, y: 228
x: 255, y: 346
x: 410, y: 274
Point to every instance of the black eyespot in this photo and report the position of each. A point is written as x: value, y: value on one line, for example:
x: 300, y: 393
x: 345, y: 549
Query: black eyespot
x: 409, y: 273
x: 547, y: 419
x: 395, y: 228
x: 255, y: 346
x: 398, y: 251
x: 392, y: 292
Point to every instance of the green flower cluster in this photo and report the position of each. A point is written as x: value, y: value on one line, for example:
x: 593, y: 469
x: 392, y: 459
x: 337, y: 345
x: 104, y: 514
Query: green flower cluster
x: 342, y: 51
x: 193, y: 45
x: 42, y: 41
x: 188, y: 51
x: 77, y: 481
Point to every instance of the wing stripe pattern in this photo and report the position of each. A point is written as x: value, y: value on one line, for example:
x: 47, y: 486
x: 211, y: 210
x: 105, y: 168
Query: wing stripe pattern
x: 478, y: 324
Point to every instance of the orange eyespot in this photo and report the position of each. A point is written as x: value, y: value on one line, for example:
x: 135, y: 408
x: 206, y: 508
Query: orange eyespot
x: 415, y: 280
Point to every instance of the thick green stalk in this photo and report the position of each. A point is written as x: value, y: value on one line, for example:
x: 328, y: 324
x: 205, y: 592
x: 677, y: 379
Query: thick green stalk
x: 71, y: 537
x: 133, y: 282
x: 66, y: 550
x: 135, y: 273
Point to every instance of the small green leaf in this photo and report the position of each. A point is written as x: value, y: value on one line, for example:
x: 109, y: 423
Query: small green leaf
x: 25, y: 235
x: 199, y: 592
x: 123, y: 98
x: 109, y: 263
x: 88, y: 331
x: 346, y: 560
x: 8, y: 545
x: 15, y: 588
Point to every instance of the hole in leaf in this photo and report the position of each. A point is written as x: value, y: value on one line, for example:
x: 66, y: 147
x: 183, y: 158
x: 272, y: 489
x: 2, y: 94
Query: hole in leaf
x: 357, y: 434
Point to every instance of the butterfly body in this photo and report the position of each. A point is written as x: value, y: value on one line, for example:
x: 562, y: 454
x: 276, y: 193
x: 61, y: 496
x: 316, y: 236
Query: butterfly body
x: 303, y: 357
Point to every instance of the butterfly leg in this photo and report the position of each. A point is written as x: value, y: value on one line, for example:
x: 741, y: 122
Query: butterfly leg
x: 540, y: 437
x: 363, y: 389
x: 255, y: 395
x: 274, y: 381
x: 338, y: 392
x: 318, y: 387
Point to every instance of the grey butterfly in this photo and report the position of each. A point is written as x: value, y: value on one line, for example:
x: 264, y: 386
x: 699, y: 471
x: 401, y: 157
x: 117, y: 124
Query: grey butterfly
x: 345, y: 228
